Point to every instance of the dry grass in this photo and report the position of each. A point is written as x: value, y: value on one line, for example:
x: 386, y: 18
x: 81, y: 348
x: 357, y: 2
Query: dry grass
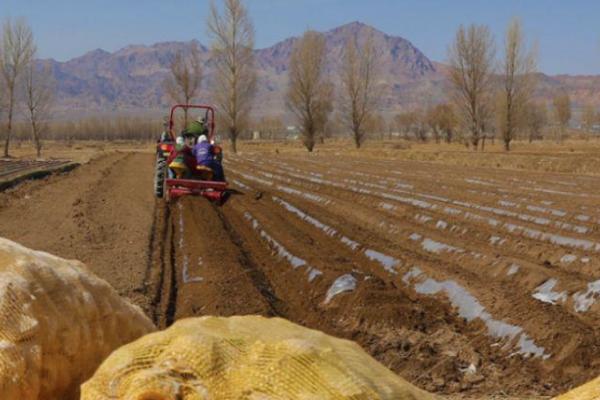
x: 572, y: 156
x: 78, y: 151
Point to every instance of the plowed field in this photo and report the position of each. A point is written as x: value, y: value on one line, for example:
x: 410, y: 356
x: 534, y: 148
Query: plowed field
x: 484, y: 282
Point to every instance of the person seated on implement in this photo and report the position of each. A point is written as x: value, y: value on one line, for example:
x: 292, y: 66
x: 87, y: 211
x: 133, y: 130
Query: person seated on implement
x: 207, y: 165
x: 181, y: 161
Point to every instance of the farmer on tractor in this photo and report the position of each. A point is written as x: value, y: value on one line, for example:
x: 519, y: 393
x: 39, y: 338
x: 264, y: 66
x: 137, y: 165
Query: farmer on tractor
x: 197, y: 128
x: 181, y: 161
x: 190, y: 164
x: 209, y: 156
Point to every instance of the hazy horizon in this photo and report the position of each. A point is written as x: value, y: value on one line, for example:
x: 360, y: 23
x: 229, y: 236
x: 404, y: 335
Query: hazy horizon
x: 567, y: 33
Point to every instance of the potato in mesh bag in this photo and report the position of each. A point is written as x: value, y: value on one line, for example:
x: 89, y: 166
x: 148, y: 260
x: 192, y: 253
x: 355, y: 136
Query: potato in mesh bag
x: 58, y: 322
x: 588, y: 391
x: 247, y: 357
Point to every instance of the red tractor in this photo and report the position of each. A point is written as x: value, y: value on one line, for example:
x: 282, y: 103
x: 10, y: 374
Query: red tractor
x: 169, y: 180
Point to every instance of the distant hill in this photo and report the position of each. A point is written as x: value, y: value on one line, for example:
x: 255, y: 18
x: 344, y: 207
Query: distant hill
x: 130, y: 80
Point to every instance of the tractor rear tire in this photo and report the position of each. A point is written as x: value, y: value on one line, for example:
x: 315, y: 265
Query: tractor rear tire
x: 160, y: 169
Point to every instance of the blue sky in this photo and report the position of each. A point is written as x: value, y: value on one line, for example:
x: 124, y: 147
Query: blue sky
x: 568, y: 32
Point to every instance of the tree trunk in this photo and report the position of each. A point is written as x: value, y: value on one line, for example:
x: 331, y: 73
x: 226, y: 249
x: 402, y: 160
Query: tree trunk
x: 11, y: 103
x: 6, y: 144
x: 506, y: 144
x: 357, y: 142
x: 233, y: 139
x: 36, y: 138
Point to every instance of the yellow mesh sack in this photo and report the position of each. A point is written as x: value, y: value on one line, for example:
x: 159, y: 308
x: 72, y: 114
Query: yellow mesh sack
x: 589, y: 391
x: 58, y: 322
x: 247, y: 357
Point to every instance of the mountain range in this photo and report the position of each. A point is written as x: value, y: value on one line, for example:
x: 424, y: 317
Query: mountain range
x: 130, y: 80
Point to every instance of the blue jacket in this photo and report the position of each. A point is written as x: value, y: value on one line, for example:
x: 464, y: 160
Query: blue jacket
x: 204, y: 153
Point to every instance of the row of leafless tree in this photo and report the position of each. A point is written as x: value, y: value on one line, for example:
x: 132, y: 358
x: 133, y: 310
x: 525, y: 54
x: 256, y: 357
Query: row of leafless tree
x: 443, y: 122
x: 310, y: 96
x: 95, y: 128
x: 590, y: 118
x: 24, y: 85
x: 486, y: 96
x: 489, y: 94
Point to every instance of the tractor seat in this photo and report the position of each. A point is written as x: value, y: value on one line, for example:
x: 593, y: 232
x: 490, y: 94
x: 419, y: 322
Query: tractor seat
x: 205, y: 173
x: 178, y: 167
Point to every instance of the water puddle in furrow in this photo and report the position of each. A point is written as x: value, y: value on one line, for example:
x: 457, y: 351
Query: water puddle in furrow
x: 282, y: 252
x: 470, y: 308
x: 186, y: 261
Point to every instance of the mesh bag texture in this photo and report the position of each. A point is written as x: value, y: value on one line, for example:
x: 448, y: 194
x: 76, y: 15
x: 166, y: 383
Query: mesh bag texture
x: 58, y: 322
x: 589, y: 391
x: 247, y: 357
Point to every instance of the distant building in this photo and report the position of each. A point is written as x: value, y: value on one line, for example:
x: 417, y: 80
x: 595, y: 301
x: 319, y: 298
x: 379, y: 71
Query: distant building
x: 292, y: 132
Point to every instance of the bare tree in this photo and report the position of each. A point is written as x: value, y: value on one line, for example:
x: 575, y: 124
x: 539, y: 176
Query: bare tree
x: 16, y: 50
x: 270, y: 127
x: 471, y: 59
x: 39, y: 95
x: 183, y: 85
x: 442, y: 122
x: 419, y: 126
x: 562, y: 113
x: 376, y: 125
x: 589, y: 117
x: 232, y: 54
x: 405, y: 122
x: 359, y: 76
x: 309, y: 95
x: 536, y: 117
x: 447, y: 121
x: 518, y: 82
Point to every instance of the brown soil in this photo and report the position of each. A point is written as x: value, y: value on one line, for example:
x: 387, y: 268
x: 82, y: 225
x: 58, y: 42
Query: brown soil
x: 255, y: 256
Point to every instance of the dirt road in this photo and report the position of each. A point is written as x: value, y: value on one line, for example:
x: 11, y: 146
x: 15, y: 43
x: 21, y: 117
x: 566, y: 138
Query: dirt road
x: 461, y: 280
x: 100, y: 213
